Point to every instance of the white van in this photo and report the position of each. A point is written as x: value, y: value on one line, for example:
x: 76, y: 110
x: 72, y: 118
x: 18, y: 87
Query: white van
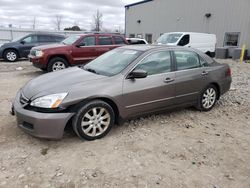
x: 201, y: 41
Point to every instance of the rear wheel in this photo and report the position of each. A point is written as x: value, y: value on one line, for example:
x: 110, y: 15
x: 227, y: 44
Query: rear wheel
x: 208, y: 98
x: 10, y: 55
x: 93, y: 120
x: 56, y: 64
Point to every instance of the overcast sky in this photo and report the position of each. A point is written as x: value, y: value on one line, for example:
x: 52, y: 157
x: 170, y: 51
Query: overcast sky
x: 21, y: 13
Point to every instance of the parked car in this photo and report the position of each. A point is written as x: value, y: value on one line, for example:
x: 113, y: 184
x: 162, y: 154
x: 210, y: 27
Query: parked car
x: 20, y: 48
x: 134, y: 41
x: 201, y: 41
x: 126, y: 82
x: 74, y: 50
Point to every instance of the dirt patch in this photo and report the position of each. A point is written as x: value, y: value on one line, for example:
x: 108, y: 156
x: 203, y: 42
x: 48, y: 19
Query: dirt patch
x: 184, y: 148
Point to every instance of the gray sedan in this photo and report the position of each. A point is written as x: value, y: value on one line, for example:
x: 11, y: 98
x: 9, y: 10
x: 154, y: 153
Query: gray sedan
x: 123, y: 83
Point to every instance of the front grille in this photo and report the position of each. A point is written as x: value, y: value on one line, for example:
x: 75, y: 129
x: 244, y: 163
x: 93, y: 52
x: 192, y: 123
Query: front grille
x: 24, y: 100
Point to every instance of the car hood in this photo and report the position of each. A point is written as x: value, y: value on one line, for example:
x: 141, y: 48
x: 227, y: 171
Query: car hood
x: 58, y: 82
x: 9, y: 44
x: 49, y: 46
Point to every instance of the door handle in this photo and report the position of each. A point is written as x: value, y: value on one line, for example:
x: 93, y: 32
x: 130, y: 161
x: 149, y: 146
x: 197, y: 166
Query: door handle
x: 204, y: 73
x: 168, y: 80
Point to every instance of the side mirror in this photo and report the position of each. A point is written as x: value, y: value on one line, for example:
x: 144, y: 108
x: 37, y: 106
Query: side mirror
x: 22, y: 42
x: 80, y: 45
x: 137, y: 74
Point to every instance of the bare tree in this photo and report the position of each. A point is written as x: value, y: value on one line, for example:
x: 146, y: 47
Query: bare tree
x: 58, y: 21
x: 97, y: 21
x: 34, y: 23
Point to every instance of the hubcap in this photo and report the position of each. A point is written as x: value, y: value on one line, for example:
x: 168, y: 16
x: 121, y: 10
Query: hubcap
x: 209, y: 98
x: 11, y: 56
x: 95, y: 121
x: 58, y: 66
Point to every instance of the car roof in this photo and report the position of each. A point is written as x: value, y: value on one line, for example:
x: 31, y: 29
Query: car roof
x: 48, y: 34
x: 105, y: 34
x: 148, y: 47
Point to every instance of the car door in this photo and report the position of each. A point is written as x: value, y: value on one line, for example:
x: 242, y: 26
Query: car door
x: 190, y: 76
x: 85, y: 50
x: 105, y: 44
x: 26, y: 45
x: 156, y: 91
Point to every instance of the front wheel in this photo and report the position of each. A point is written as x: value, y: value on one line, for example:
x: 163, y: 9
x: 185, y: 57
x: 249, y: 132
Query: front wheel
x: 93, y: 120
x: 10, y: 55
x: 208, y: 98
x: 56, y: 64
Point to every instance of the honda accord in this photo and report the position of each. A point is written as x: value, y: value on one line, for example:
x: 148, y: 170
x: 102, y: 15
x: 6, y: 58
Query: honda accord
x: 125, y: 82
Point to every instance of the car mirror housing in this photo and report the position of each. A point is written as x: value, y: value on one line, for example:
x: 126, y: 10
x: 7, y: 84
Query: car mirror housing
x: 137, y: 74
x: 22, y: 42
x: 80, y: 45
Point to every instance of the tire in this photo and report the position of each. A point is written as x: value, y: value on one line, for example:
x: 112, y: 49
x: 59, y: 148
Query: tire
x: 56, y: 64
x: 10, y: 55
x: 207, y: 98
x: 89, y: 126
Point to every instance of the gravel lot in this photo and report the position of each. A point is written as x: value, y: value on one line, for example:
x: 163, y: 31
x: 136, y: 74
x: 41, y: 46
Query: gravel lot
x: 184, y: 148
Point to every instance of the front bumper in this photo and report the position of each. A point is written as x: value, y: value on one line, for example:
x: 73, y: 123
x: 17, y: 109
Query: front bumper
x: 37, y: 62
x: 42, y: 125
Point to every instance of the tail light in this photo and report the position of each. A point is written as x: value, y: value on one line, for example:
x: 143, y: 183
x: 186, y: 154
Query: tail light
x: 229, y: 72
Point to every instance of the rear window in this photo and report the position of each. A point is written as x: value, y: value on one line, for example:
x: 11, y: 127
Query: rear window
x: 103, y: 40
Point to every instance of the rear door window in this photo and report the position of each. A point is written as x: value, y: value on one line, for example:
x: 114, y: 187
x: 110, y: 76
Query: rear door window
x: 45, y: 38
x: 184, y: 40
x: 105, y: 40
x: 186, y: 60
x: 119, y: 40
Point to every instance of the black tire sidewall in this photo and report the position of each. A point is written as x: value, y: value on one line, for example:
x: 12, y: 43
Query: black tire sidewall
x: 5, y: 55
x: 201, y: 97
x: 76, y: 123
x: 56, y: 59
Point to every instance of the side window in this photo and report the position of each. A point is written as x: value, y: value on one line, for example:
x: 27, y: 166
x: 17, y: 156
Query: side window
x: 45, y: 38
x: 119, y: 40
x: 30, y: 39
x: 186, y: 60
x: 156, y: 63
x: 88, y: 41
x: 103, y: 40
x: 184, y: 40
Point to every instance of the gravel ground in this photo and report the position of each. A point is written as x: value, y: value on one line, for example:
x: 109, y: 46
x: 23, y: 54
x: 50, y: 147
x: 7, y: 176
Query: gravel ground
x: 184, y: 148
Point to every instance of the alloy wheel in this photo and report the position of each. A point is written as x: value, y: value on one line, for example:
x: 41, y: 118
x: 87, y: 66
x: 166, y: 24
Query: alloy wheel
x: 11, y: 56
x: 96, y: 121
x: 58, y: 66
x: 209, y: 98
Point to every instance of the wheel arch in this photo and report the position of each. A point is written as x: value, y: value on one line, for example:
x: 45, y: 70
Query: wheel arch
x: 11, y: 48
x: 218, y: 89
x: 63, y: 56
x: 109, y: 101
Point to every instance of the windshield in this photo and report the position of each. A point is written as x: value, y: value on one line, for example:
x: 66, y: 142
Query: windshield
x: 169, y: 38
x: 71, y: 39
x: 112, y: 62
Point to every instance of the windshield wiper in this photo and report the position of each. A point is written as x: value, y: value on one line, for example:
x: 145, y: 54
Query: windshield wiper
x: 90, y: 70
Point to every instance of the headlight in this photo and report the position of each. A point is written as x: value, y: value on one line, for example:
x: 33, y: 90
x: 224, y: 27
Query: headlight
x: 39, y: 53
x: 49, y: 101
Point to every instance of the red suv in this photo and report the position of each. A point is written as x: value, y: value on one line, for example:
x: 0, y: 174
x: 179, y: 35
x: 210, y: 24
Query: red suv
x: 74, y: 50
